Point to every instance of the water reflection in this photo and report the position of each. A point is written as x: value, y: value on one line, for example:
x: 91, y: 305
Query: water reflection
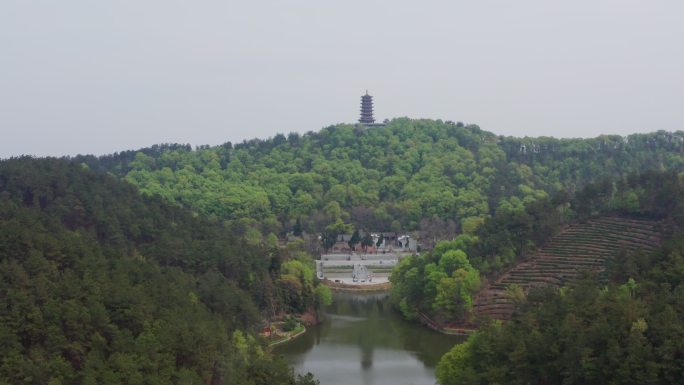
x: 364, y: 341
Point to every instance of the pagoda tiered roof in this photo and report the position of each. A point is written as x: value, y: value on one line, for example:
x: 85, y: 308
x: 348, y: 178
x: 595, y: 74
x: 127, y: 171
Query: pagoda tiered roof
x: 366, y: 109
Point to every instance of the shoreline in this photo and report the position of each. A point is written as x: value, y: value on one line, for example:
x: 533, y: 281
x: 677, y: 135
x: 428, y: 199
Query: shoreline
x: 308, y: 318
x: 288, y: 338
x: 438, y: 327
x: 344, y: 287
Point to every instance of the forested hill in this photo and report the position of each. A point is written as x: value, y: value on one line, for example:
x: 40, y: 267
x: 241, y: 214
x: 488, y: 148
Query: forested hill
x: 101, y: 285
x: 625, y: 329
x: 405, y: 175
x: 442, y: 283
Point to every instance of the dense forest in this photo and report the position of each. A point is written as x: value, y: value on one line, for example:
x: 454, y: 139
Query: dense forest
x: 442, y: 282
x: 102, y: 285
x: 433, y: 176
x: 158, y: 265
x: 625, y: 328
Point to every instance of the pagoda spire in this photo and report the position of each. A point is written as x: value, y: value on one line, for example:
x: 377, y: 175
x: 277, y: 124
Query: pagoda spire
x: 366, y: 109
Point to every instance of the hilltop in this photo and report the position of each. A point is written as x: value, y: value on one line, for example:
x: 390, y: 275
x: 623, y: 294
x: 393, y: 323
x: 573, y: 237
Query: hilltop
x: 422, y: 175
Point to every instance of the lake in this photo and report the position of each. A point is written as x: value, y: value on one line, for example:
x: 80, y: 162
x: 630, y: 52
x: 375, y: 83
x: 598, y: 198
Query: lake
x: 364, y: 341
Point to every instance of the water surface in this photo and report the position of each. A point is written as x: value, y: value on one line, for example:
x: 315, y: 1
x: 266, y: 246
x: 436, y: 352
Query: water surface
x: 364, y: 341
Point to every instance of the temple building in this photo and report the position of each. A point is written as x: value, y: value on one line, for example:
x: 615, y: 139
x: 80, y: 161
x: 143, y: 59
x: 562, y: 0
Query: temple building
x: 366, y: 109
x: 367, y: 118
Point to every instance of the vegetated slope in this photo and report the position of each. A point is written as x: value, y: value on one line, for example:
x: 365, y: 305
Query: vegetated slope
x: 101, y: 285
x: 425, y: 175
x: 626, y: 328
x: 441, y: 283
x: 583, y: 247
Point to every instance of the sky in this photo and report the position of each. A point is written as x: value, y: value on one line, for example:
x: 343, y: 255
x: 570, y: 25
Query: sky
x: 96, y: 77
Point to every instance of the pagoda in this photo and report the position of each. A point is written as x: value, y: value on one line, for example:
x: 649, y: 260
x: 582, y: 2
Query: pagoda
x: 366, y: 110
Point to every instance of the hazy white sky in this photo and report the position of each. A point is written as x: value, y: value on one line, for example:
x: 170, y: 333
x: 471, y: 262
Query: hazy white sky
x: 98, y: 76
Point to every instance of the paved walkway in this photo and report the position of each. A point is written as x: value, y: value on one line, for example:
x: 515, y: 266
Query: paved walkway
x: 350, y: 281
x: 379, y: 264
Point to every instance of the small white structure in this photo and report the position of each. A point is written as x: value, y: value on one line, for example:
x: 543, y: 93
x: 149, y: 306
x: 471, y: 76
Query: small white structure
x: 361, y: 273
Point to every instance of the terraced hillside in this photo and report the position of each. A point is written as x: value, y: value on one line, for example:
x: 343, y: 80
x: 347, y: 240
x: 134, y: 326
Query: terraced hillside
x: 578, y: 248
